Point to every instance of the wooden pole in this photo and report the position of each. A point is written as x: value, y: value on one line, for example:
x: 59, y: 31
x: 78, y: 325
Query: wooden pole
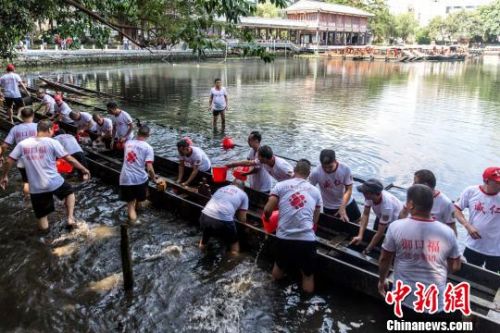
x: 128, y: 275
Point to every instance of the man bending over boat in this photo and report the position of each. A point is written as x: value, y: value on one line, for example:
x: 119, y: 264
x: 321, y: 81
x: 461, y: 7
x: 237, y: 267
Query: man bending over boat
x: 83, y: 121
x: 385, y: 206
x: 424, y: 250
x: 277, y: 167
x: 103, y: 128
x: 299, y: 204
x: 18, y: 133
x: 72, y: 147
x: 193, y: 157
x: 335, y: 183
x: 482, y: 246
x: 39, y: 155
x: 47, y: 103
x: 122, y: 124
x: 62, y: 110
x: 138, y: 157
x: 443, y: 209
x: 217, y: 218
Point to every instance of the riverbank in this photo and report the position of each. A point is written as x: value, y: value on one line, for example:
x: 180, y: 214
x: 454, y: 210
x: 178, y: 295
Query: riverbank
x: 30, y: 58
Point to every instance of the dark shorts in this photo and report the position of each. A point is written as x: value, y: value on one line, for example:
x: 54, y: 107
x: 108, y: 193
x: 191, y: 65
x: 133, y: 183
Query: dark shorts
x: 17, y: 102
x: 224, y: 230
x: 352, y: 211
x: 130, y: 193
x: 43, y: 203
x: 217, y: 112
x: 80, y: 157
x: 491, y: 263
x: 24, y: 175
x: 296, y: 254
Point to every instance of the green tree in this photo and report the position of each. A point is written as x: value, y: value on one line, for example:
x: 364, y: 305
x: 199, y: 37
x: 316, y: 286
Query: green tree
x: 405, y: 26
x: 144, y: 22
x: 490, y: 16
x: 267, y: 9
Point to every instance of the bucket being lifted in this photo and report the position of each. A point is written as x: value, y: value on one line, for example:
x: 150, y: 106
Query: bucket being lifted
x: 63, y: 166
x: 239, y: 172
x: 271, y: 225
x: 219, y: 174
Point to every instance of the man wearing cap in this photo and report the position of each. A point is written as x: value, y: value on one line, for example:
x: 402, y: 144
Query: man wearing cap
x: 192, y: 157
x: 62, y: 110
x: 385, y: 206
x: 122, y: 123
x: 483, y: 225
x: 10, y: 82
x: 217, y: 218
x: 335, y: 183
x: 47, y: 103
x: 277, y: 167
x: 299, y: 204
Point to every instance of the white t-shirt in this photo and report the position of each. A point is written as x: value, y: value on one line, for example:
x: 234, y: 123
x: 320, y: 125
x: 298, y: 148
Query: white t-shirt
x: 69, y: 143
x: 218, y: 100
x: 106, y: 127
x: 332, y: 185
x: 65, y: 110
x: 443, y: 209
x: 39, y: 157
x: 85, y: 118
x: 297, y: 201
x: 137, y: 154
x: 48, y: 101
x: 281, y: 170
x: 20, y: 132
x: 10, y: 84
x: 422, y: 248
x: 197, y: 158
x: 260, y: 180
x: 388, y: 209
x: 120, y: 123
x: 225, y: 202
x: 484, y: 215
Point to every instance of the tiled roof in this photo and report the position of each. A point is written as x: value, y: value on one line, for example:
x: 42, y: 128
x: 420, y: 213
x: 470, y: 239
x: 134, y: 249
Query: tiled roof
x: 309, y: 5
x: 261, y: 21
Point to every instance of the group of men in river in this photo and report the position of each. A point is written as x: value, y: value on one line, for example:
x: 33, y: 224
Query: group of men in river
x: 420, y: 234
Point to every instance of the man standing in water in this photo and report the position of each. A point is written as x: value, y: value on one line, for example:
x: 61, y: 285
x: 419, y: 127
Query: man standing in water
x: 218, y: 103
x: 482, y: 246
x: 122, y: 123
x: 10, y: 83
x: 39, y: 155
x: 103, y: 128
x: 139, y: 157
x: 217, y: 218
x: 299, y: 205
x: 18, y: 133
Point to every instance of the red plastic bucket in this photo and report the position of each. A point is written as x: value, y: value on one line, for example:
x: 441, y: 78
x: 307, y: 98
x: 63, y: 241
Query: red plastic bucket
x: 219, y: 174
x: 271, y: 225
x: 63, y: 166
x: 239, y: 171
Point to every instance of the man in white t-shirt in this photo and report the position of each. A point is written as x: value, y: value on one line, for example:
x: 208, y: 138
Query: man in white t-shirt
x: 423, y: 249
x: 443, y: 209
x: 217, y: 218
x: 138, y: 157
x: 47, y: 103
x: 83, y: 121
x: 218, y: 103
x: 103, y: 128
x: 483, y: 226
x: 335, y: 183
x: 18, y: 133
x: 10, y: 83
x: 62, y: 110
x: 39, y: 155
x: 299, y: 204
x: 72, y: 147
x: 385, y: 206
x: 277, y: 167
x: 259, y: 178
x: 193, y: 157
x: 122, y: 123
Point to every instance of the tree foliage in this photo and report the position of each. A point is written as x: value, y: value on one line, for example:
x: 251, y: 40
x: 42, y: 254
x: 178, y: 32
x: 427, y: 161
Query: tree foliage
x: 267, y: 9
x: 406, y: 26
x: 147, y: 22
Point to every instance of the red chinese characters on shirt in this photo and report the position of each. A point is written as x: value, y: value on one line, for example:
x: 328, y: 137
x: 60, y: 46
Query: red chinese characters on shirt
x: 457, y: 298
x: 397, y: 296
x: 131, y: 157
x: 479, y: 207
x: 297, y: 200
x: 426, y: 298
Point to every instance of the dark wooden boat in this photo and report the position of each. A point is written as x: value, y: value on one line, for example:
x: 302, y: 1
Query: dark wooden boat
x: 453, y: 57
x: 337, y: 261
